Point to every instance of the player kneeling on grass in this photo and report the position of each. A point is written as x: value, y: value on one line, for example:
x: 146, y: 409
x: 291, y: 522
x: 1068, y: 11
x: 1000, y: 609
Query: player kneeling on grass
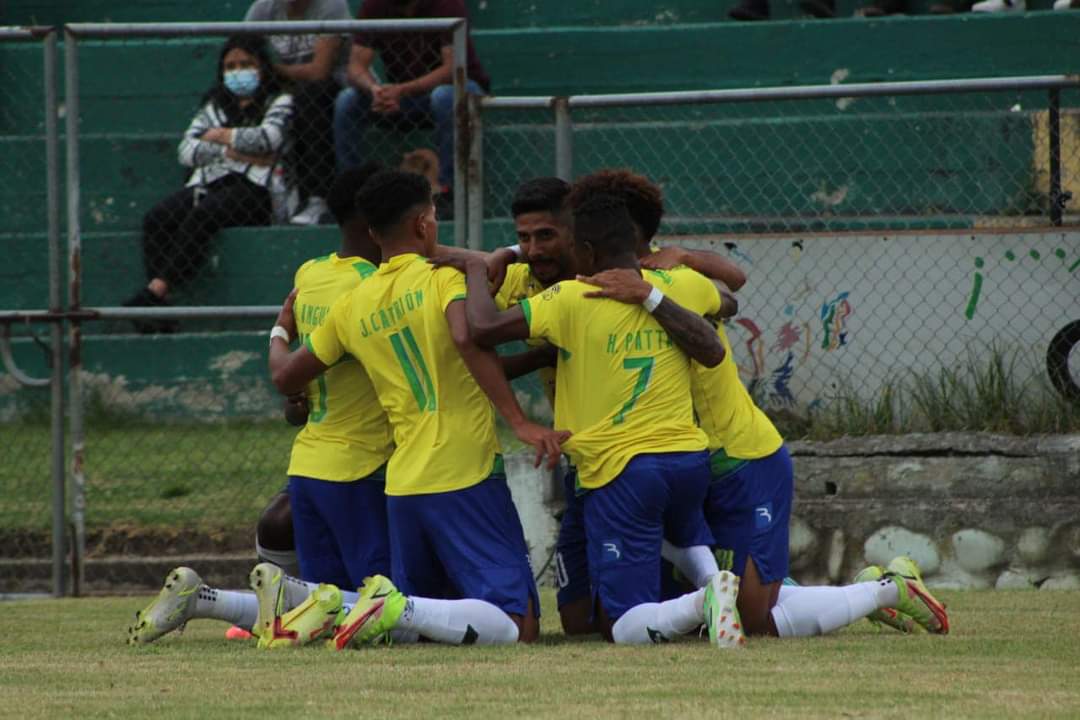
x: 453, y: 526
x: 623, y: 390
x: 748, y: 505
x: 748, y: 509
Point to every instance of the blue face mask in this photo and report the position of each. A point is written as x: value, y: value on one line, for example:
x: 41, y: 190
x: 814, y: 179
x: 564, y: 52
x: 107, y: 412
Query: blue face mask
x: 242, y: 83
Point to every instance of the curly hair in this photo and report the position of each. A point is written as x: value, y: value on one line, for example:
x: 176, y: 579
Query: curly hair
x: 644, y: 199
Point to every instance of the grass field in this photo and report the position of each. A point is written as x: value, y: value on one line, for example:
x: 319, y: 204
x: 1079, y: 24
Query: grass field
x: 1011, y: 654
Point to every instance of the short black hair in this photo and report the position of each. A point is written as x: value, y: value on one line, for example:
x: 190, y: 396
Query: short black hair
x: 542, y: 194
x: 603, y: 221
x: 342, y: 198
x: 644, y: 199
x: 389, y: 195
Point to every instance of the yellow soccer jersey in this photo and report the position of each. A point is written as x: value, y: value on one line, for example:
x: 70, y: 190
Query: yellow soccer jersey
x: 518, y: 285
x: 725, y: 410
x: 395, y: 323
x: 623, y: 386
x: 347, y: 435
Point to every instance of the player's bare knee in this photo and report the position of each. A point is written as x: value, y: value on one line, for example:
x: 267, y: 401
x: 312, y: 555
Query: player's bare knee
x: 575, y: 619
x: 275, y: 530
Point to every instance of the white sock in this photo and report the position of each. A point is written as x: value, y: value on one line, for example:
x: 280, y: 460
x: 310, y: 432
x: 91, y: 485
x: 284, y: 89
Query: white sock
x: 284, y: 559
x: 806, y: 611
x: 297, y: 591
x: 458, y: 622
x: 660, y: 622
x: 236, y: 607
x: 696, y: 563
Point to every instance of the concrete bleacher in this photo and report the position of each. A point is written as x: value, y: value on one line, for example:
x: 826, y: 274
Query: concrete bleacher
x: 131, y: 121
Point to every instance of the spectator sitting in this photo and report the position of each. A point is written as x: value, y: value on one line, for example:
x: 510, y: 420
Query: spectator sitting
x: 232, y: 145
x: 419, y: 70
x: 316, y: 66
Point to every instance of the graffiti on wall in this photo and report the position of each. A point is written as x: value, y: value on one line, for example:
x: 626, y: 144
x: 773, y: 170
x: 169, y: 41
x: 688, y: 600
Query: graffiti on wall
x: 1009, y: 256
x: 813, y: 320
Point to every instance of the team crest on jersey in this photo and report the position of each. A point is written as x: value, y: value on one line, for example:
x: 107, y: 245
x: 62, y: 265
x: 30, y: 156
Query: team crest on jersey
x: 551, y: 291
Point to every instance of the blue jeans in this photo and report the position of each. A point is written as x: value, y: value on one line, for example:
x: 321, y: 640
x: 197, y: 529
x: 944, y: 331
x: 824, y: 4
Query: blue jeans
x: 352, y: 115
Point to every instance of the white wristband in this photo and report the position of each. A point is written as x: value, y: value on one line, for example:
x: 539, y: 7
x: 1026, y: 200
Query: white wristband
x: 653, y: 300
x: 516, y: 249
x: 279, y: 332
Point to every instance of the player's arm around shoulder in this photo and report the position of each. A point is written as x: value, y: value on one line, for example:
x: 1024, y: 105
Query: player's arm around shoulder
x: 485, y: 325
x: 291, y: 371
x: 686, y: 326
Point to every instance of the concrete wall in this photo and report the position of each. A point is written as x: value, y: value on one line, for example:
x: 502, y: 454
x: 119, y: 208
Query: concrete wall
x: 854, y: 311
x: 974, y: 510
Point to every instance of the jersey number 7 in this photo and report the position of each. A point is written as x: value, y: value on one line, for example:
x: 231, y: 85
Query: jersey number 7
x: 644, y: 366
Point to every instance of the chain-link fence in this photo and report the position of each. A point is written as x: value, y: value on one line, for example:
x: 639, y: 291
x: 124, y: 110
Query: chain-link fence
x: 905, y: 268
x: 918, y: 298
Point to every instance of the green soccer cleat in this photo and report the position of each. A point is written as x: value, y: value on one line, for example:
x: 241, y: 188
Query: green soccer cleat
x: 375, y: 614
x: 721, y: 615
x: 915, y: 599
x: 170, y: 610
x: 884, y: 616
x: 268, y: 582
x: 310, y: 620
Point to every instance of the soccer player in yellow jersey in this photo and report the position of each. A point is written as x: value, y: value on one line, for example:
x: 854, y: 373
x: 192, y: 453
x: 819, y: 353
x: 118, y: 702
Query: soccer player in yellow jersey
x: 623, y: 390
x: 748, y: 505
x: 337, y: 513
x: 337, y: 467
x: 453, y: 526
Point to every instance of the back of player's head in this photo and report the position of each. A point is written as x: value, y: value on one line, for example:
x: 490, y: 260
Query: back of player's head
x: 603, y: 221
x: 390, y: 196
x: 644, y: 200
x: 343, y: 196
x: 543, y: 194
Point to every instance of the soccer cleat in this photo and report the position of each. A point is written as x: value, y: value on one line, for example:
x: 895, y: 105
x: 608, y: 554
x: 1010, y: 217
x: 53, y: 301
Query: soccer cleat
x: 375, y: 614
x: 268, y: 582
x: 310, y: 620
x: 884, y: 616
x: 915, y: 599
x: 721, y: 615
x: 170, y: 610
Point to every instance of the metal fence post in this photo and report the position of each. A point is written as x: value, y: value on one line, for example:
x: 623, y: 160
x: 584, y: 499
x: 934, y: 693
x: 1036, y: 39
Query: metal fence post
x: 476, y: 174
x: 56, y: 305
x: 461, y: 133
x: 564, y: 140
x: 1057, y: 202
x: 78, y: 478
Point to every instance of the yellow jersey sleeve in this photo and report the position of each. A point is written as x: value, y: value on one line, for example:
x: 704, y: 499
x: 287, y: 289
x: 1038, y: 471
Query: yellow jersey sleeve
x: 451, y: 286
x: 518, y: 285
x: 622, y: 386
x: 347, y: 435
x: 325, y: 342
x: 689, y: 288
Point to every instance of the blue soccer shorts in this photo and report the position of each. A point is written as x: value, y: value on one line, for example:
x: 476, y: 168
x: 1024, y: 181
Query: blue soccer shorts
x: 340, y: 529
x: 571, y: 558
x: 463, y: 544
x: 656, y: 496
x: 749, y: 510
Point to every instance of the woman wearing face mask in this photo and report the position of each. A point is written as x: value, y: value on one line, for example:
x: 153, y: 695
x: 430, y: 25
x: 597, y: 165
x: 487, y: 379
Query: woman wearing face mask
x: 232, y: 145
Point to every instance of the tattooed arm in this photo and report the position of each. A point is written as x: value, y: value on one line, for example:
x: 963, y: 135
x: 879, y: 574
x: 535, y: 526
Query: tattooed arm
x: 692, y: 333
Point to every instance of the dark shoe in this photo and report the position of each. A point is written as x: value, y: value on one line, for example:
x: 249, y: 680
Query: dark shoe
x: 819, y: 8
x: 145, y: 298
x: 750, y: 11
